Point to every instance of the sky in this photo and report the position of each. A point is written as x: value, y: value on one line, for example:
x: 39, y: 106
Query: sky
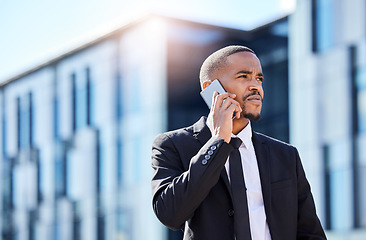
x: 33, y: 32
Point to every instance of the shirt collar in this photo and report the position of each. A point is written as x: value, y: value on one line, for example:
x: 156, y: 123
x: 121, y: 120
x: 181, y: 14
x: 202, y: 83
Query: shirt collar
x: 245, y: 135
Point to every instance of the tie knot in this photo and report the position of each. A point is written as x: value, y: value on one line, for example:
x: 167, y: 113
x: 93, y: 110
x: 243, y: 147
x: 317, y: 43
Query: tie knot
x: 235, y: 142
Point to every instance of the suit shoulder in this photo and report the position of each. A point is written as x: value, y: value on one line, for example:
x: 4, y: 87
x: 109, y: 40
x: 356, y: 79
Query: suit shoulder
x: 275, y: 142
x: 175, y: 134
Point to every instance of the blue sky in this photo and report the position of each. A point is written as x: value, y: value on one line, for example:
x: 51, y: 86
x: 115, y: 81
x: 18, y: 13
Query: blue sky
x: 32, y: 32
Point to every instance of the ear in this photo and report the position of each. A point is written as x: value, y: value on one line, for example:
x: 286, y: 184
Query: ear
x: 205, y: 84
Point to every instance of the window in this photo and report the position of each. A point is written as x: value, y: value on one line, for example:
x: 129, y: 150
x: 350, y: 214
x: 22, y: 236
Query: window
x: 124, y: 224
x: 327, y: 199
x: 361, y: 100
x: 3, y: 130
x: 32, y: 228
x: 100, y: 165
x: 119, y: 161
x: 59, y: 176
x: 18, y: 122
x: 39, y: 174
x: 76, y: 224
x: 338, y: 184
x: 82, y: 100
x: 118, y: 95
x: 101, y: 227
x: 25, y: 123
x: 358, y: 122
x: 137, y: 143
x: 322, y: 17
x: 30, y: 116
x: 55, y: 117
x: 89, y: 98
x: 359, y: 114
x: 132, y: 92
x: 73, y: 101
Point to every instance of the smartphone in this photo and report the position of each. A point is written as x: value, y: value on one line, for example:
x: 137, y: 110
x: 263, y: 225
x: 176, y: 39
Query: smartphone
x: 210, y: 89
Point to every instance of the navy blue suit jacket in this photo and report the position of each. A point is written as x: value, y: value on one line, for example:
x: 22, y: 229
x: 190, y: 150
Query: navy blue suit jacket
x: 193, y: 194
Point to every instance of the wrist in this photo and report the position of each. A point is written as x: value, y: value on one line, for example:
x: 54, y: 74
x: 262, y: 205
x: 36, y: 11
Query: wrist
x: 225, y: 138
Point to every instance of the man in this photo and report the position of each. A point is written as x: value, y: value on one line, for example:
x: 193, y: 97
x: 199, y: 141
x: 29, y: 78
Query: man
x: 195, y: 184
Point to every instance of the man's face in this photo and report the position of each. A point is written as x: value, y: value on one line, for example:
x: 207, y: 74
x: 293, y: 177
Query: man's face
x: 243, y: 76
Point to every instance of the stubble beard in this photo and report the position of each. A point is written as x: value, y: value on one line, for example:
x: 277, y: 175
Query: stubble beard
x: 250, y: 116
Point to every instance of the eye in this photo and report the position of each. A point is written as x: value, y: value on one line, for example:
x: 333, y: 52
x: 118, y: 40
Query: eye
x: 243, y: 76
x: 260, y: 79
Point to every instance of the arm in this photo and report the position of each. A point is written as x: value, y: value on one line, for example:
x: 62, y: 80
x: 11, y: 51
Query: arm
x: 177, y: 192
x: 309, y: 226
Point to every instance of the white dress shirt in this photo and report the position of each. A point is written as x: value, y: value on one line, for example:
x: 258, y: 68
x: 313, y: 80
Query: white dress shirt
x: 257, y: 216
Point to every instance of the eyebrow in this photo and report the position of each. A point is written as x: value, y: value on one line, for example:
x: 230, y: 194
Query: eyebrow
x: 248, y: 72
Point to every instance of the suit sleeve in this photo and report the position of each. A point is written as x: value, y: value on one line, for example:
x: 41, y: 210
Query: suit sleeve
x: 309, y: 226
x: 177, y: 192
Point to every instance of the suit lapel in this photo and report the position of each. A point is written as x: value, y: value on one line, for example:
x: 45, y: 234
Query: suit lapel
x: 261, y: 152
x: 203, y: 134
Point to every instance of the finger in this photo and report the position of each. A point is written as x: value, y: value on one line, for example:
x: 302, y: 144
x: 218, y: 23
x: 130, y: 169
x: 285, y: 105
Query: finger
x: 221, y: 98
x: 237, y: 114
x: 213, y: 102
x: 234, y: 110
x: 229, y: 101
x: 233, y: 107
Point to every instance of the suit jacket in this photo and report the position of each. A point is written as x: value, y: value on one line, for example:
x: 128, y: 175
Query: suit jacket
x: 191, y: 191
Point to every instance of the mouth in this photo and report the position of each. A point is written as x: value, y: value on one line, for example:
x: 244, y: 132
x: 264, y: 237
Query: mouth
x: 256, y: 98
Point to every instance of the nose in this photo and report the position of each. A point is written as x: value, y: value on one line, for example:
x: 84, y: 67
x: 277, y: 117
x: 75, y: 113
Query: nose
x: 254, y: 88
x: 254, y: 85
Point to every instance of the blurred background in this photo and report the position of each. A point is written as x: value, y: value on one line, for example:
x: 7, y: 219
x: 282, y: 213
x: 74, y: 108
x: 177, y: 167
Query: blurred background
x: 85, y: 86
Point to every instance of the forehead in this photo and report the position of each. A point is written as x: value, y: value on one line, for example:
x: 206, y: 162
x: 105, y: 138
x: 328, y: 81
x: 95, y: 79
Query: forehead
x: 244, y: 61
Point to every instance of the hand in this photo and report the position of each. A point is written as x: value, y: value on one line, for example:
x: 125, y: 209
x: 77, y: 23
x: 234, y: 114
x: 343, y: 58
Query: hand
x: 220, y: 117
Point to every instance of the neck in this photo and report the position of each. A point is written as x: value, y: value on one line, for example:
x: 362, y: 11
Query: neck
x: 239, y: 124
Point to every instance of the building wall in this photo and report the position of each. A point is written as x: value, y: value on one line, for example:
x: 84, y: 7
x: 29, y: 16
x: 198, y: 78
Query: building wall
x: 76, y: 137
x: 327, y: 108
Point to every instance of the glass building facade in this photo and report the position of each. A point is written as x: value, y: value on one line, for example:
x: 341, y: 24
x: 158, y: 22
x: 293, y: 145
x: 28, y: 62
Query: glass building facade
x: 76, y: 131
x: 327, y: 108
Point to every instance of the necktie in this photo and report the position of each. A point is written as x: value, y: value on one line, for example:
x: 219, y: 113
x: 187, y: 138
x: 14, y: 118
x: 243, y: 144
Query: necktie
x: 238, y: 189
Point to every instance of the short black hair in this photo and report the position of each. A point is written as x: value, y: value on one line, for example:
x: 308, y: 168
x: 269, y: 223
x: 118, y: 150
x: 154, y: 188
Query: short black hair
x: 217, y: 60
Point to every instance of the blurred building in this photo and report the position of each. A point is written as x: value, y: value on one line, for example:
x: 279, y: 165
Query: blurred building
x: 76, y: 131
x: 328, y: 108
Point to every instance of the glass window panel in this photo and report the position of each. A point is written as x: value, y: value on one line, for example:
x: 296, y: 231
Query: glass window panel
x: 362, y: 195
x: 124, y: 225
x: 339, y: 186
x: 18, y: 122
x: 101, y: 167
x: 31, y: 112
x: 361, y: 99
x: 119, y: 161
x: 55, y: 118
x: 341, y: 218
x: 81, y: 107
x: 3, y: 132
x: 132, y: 96
x: 137, y: 162
x: 324, y: 24
x: 361, y: 102
x: 59, y: 177
x: 361, y: 184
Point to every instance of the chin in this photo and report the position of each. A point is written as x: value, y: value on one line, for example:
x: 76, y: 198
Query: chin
x: 252, y: 116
